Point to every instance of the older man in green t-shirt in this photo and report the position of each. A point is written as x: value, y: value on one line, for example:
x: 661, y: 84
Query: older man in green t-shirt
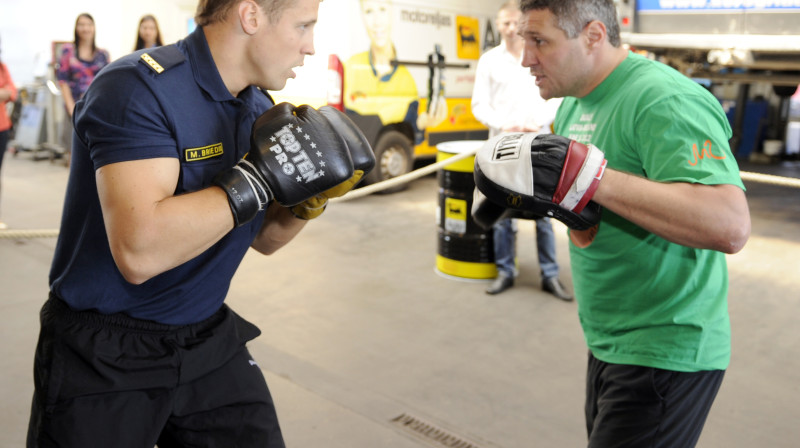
x: 650, y: 278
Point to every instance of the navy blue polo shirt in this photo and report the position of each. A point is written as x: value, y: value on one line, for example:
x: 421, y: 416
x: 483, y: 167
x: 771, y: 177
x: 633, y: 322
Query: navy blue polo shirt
x: 170, y: 103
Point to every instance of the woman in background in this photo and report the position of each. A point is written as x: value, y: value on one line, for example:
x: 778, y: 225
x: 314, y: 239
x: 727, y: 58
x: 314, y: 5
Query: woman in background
x: 149, y: 35
x: 80, y: 61
x: 78, y: 65
x: 8, y: 93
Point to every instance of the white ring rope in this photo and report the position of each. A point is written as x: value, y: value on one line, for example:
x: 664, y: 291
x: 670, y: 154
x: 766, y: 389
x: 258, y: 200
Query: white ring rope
x: 28, y: 234
x: 770, y: 179
x: 408, y: 177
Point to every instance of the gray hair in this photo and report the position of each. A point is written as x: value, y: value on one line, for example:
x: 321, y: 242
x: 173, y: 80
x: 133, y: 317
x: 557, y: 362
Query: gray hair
x: 573, y: 15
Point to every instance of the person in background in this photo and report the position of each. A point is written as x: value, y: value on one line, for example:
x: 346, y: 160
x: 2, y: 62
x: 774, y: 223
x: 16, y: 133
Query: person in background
x: 148, y: 34
x: 505, y: 99
x: 8, y: 93
x: 373, y: 86
x: 651, y: 279
x: 371, y: 74
x: 79, y: 63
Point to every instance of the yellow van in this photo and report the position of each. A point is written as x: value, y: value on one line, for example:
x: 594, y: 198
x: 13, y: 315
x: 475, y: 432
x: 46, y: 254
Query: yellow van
x: 402, y: 70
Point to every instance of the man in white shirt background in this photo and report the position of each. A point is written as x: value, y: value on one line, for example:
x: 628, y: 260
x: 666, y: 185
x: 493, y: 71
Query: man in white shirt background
x: 506, y: 99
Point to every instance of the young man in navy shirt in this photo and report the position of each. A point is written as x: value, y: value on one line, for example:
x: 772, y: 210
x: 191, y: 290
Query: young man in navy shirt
x: 137, y: 347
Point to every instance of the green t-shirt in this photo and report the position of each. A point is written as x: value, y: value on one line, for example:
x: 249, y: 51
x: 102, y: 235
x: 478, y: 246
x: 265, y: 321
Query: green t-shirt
x: 643, y: 300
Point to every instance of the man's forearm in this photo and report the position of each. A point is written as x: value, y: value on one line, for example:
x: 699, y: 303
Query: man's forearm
x: 703, y: 216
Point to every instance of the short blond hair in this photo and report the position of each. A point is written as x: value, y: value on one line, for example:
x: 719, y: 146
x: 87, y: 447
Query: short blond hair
x: 510, y: 4
x: 213, y: 11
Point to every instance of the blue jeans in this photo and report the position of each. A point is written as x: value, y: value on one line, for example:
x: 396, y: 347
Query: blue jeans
x: 505, y: 239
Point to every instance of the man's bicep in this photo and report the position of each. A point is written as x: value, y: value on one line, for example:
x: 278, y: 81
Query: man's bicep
x: 130, y: 190
x: 677, y: 146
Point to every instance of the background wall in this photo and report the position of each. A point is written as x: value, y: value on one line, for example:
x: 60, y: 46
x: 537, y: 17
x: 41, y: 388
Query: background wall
x: 28, y: 28
x: 341, y: 31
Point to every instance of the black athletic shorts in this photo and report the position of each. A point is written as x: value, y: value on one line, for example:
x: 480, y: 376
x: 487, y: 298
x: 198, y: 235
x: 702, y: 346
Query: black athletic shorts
x: 635, y: 406
x: 113, y: 381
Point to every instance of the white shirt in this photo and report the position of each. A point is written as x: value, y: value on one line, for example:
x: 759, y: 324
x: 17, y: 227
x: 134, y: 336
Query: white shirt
x: 505, y: 94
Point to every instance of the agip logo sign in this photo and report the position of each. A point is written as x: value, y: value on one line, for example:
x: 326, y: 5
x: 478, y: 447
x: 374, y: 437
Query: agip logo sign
x: 468, y: 37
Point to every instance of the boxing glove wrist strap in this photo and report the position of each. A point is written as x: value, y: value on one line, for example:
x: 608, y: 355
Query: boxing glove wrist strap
x: 247, y: 192
x: 578, y: 183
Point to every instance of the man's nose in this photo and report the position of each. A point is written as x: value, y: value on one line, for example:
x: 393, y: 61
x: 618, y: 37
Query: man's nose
x: 529, y: 58
x: 308, y: 49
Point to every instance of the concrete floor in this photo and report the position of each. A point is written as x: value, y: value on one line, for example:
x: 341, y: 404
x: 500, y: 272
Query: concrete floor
x: 359, y: 330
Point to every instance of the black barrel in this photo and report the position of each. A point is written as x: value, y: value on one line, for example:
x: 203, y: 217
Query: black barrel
x: 464, y: 249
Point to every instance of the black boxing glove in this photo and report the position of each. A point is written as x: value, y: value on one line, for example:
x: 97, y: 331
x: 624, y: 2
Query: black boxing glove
x: 360, y: 153
x: 542, y: 175
x: 484, y: 212
x: 295, y: 154
x: 360, y: 150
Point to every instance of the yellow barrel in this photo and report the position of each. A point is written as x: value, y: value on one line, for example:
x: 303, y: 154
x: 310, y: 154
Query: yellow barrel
x: 465, y: 250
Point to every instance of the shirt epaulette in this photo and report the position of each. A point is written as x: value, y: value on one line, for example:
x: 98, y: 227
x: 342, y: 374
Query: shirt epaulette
x: 163, y: 58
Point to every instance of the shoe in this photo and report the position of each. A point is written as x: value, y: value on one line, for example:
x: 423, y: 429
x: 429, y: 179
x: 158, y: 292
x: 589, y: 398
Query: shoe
x: 554, y: 287
x: 502, y: 282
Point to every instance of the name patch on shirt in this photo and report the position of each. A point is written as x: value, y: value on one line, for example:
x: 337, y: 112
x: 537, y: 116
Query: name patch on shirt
x: 203, y: 153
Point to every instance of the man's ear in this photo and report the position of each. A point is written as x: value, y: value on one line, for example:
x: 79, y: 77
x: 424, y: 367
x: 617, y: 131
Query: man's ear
x: 595, y: 32
x: 250, y: 16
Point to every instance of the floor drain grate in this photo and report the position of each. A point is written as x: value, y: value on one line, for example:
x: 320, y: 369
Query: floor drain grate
x: 431, y: 432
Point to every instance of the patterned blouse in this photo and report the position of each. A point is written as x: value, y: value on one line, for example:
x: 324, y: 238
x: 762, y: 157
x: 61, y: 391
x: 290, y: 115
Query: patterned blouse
x: 77, y: 73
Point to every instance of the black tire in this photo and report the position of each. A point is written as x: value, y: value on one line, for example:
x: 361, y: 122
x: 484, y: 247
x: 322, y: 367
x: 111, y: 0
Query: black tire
x: 784, y: 91
x: 394, y: 157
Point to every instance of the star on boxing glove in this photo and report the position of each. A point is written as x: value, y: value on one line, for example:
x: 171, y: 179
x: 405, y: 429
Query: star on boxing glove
x: 543, y: 175
x: 295, y: 154
x: 360, y: 153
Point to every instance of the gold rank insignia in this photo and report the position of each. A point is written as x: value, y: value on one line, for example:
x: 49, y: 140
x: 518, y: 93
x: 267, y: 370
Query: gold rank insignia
x: 152, y: 63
